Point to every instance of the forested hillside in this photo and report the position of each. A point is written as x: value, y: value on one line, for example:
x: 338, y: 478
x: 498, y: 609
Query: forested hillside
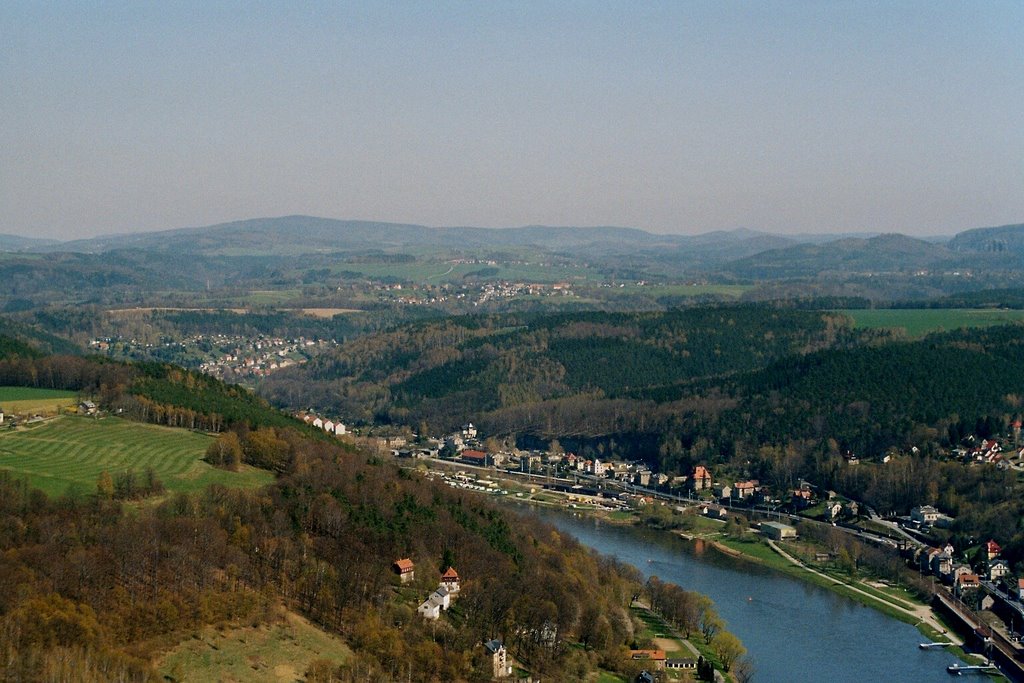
x: 100, y: 597
x: 448, y: 371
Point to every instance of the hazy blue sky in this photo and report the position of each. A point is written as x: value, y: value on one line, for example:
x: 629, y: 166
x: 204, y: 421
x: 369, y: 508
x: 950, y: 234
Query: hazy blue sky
x: 672, y: 117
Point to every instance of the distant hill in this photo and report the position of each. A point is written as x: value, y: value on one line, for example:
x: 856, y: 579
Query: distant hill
x: 19, y: 243
x: 882, y: 254
x: 1000, y: 240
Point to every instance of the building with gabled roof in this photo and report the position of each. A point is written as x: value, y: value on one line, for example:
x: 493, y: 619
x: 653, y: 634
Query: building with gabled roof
x: 450, y: 580
x: 405, y: 569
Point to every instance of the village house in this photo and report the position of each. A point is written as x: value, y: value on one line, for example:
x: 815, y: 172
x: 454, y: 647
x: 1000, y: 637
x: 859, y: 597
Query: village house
x: 924, y: 514
x: 443, y: 596
x: 1020, y: 589
x: 722, y: 491
x: 450, y: 580
x: 802, y: 497
x: 87, y: 408
x: 430, y: 608
x: 500, y: 668
x: 318, y: 423
x: 642, y: 478
x: 992, y: 549
x: 701, y: 478
x: 967, y: 581
x: 405, y: 569
x: 469, y: 431
x: 833, y: 510
x: 655, y: 657
x: 473, y: 457
x: 743, y: 490
x: 684, y: 664
x: 961, y: 569
x: 998, y: 568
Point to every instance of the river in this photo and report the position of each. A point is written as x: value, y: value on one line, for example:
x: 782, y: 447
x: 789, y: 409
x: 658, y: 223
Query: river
x: 793, y: 631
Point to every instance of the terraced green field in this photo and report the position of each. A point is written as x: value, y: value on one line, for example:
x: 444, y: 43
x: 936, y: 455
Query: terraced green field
x: 70, y: 452
x: 921, y: 321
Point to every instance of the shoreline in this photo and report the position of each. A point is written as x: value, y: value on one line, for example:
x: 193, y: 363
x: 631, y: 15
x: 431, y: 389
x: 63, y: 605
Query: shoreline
x: 918, y: 615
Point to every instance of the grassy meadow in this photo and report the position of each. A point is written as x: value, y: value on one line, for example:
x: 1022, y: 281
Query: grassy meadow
x: 29, y: 401
x: 271, y: 652
x: 70, y: 452
x: 919, y: 322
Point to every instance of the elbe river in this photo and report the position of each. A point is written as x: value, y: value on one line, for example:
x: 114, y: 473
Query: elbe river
x: 793, y: 631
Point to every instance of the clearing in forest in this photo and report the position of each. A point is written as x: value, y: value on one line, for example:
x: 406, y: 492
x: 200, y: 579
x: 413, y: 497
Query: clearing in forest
x: 70, y: 452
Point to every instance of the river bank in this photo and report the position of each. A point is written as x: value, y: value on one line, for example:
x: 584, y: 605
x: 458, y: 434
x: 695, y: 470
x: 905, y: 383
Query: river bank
x: 792, y: 628
x: 750, y: 547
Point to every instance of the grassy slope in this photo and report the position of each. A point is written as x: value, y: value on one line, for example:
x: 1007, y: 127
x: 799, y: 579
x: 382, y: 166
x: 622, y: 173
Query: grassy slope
x: 919, y: 322
x: 269, y: 652
x: 30, y: 394
x: 72, y: 450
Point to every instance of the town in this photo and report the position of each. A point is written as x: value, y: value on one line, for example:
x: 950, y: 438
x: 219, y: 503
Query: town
x: 232, y: 358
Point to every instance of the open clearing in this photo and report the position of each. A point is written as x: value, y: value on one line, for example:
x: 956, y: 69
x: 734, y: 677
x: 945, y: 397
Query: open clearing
x: 29, y: 401
x: 921, y: 321
x: 72, y: 451
x: 269, y: 653
x: 324, y: 312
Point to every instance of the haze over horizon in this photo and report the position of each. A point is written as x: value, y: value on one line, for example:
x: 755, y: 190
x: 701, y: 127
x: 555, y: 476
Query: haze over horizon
x: 792, y: 117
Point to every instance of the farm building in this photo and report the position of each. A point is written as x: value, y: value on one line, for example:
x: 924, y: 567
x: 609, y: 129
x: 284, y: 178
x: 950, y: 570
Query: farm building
x: 777, y: 531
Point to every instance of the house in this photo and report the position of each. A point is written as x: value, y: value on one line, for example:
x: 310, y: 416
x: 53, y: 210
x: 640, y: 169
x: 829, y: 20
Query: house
x: 802, y: 497
x: 960, y: 570
x: 329, y: 426
x: 469, y: 431
x: 339, y: 429
x: 642, y: 478
x: 443, y: 596
x: 1020, y: 589
x: 942, y: 564
x: 967, y: 581
x: 681, y: 663
x: 450, y: 580
x: 833, y: 510
x: 742, y: 490
x: 430, y: 608
x: 997, y: 569
x: 701, y: 478
x: 777, y: 531
x: 722, y: 491
x: 472, y: 457
x: 992, y: 549
x: 405, y: 569
x: 656, y: 657
x: 87, y: 408
x: 318, y: 423
x: 924, y: 514
x: 500, y: 668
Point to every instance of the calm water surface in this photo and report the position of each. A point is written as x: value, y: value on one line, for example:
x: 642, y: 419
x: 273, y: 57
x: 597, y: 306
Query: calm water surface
x: 793, y: 631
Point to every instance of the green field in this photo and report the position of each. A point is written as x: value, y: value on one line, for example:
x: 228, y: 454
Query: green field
x: 921, y: 321
x: 29, y: 401
x: 8, y: 394
x: 271, y: 653
x: 72, y: 451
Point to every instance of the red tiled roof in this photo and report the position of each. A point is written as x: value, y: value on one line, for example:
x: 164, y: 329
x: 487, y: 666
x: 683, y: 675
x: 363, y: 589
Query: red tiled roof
x: 450, y: 573
x: 647, y: 654
x: 404, y: 565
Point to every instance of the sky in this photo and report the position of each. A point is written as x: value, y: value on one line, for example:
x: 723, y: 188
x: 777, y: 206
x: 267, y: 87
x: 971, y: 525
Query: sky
x: 676, y: 117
